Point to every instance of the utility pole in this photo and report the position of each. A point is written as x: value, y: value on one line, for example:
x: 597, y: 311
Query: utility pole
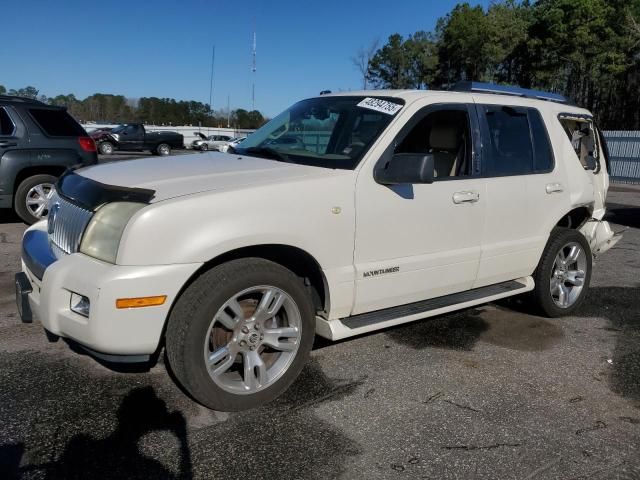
x: 228, y: 111
x: 213, y: 58
x: 253, y: 70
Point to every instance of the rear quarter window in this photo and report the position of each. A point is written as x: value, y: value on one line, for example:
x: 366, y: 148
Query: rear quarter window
x: 6, y: 125
x: 543, y: 154
x: 56, y: 123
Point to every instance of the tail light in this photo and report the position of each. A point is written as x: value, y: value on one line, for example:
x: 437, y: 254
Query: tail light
x: 87, y: 144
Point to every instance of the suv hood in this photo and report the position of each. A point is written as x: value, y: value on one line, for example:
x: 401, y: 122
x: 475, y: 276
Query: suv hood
x: 180, y: 175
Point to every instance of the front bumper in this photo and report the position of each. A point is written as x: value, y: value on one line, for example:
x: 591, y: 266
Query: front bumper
x: 107, y: 330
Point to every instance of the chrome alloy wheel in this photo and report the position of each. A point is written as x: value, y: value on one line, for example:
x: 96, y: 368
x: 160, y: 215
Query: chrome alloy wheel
x: 37, y: 200
x: 568, y: 275
x: 252, y: 339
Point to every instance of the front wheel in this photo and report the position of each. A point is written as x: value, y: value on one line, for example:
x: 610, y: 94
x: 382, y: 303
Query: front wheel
x: 106, y: 148
x: 240, y: 334
x: 563, y: 274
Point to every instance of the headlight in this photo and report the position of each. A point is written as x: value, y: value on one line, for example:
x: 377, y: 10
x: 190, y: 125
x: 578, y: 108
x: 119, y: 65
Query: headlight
x: 101, y: 239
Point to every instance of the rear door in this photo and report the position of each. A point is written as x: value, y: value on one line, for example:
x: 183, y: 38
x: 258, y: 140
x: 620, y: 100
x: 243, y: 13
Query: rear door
x: 53, y: 137
x: 525, y: 190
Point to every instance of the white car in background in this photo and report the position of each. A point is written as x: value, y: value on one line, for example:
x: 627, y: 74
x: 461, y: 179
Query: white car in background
x: 212, y: 142
x: 397, y: 206
x: 233, y: 143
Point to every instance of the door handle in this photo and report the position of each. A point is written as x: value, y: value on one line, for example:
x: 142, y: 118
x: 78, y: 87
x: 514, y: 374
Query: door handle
x: 554, y: 188
x: 8, y: 144
x: 465, y: 197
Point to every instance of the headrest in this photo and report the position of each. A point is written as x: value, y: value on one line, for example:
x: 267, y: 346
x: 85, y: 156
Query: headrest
x: 443, y: 138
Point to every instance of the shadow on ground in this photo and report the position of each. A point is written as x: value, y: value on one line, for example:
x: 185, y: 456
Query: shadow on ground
x: 106, y: 426
x: 619, y: 305
x: 623, y: 215
x: 140, y: 413
x: 8, y: 216
x: 506, y: 324
x: 495, y: 324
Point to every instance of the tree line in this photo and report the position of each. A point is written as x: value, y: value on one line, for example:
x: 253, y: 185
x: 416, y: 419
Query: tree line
x: 588, y: 50
x: 108, y: 108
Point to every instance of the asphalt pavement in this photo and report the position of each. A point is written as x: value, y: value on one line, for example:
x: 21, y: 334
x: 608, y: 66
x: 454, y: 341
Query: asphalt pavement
x: 486, y: 393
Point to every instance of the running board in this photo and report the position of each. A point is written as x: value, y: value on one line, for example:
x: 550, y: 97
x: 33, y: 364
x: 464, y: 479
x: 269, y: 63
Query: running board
x: 367, y: 322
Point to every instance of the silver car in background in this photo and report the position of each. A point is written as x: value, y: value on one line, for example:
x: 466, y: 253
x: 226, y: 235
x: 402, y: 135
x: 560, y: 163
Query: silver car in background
x: 212, y: 142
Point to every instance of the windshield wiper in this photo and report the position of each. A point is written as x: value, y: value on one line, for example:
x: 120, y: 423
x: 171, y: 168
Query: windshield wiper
x: 268, y: 152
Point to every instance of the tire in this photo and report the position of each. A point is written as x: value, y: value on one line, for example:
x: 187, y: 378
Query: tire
x: 551, y: 277
x: 204, y: 147
x: 106, y: 148
x: 203, y: 324
x: 31, y: 197
x: 163, y: 150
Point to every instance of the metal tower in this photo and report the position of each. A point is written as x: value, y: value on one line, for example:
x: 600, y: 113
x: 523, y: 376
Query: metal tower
x: 253, y: 71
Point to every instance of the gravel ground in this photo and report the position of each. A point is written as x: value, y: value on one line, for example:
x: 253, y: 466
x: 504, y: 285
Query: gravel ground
x: 490, y: 392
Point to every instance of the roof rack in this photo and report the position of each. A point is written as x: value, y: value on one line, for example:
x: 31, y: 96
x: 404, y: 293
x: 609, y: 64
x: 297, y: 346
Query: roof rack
x: 15, y: 98
x: 483, y: 87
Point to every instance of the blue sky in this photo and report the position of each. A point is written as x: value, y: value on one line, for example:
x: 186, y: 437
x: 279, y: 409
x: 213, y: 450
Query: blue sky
x: 163, y: 48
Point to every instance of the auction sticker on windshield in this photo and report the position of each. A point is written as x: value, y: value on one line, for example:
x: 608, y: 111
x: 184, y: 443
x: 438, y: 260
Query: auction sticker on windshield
x: 379, y: 105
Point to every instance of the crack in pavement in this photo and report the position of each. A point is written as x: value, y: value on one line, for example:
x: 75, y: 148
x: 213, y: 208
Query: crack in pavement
x: 464, y: 407
x: 481, y: 447
x: 433, y: 398
x: 599, y: 425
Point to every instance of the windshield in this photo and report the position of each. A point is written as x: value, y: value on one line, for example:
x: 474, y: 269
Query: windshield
x: 118, y: 129
x: 332, y: 132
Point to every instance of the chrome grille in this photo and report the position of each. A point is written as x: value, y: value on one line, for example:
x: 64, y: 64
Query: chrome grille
x: 65, y: 225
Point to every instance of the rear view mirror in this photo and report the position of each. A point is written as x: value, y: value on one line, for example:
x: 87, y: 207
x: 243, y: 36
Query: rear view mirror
x: 406, y: 168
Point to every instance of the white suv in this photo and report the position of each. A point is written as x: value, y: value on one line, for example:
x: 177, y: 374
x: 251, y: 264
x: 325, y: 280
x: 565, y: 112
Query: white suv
x: 345, y: 214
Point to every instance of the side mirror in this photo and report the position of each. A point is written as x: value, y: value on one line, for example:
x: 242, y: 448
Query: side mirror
x: 406, y: 168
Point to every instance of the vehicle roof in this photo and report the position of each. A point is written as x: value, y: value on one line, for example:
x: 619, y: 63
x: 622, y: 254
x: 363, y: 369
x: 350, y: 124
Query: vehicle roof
x: 28, y: 102
x: 22, y: 100
x: 410, y: 96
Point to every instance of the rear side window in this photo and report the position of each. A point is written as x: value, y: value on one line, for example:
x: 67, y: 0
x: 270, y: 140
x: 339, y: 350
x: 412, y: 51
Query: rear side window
x: 518, y: 142
x: 6, y: 125
x: 56, y: 123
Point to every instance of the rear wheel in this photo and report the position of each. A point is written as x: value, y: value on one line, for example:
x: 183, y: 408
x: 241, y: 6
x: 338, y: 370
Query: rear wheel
x: 563, y: 274
x: 32, y: 196
x: 163, y: 149
x: 240, y: 334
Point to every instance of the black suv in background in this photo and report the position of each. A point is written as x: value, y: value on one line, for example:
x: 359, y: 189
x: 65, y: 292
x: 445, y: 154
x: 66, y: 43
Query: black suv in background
x: 37, y: 144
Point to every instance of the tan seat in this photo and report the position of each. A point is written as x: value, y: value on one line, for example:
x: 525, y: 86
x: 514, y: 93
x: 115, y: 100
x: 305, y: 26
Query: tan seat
x: 444, y: 144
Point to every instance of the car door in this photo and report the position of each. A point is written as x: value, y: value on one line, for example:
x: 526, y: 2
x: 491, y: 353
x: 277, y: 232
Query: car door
x: 525, y: 193
x: 132, y: 138
x: 420, y: 241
